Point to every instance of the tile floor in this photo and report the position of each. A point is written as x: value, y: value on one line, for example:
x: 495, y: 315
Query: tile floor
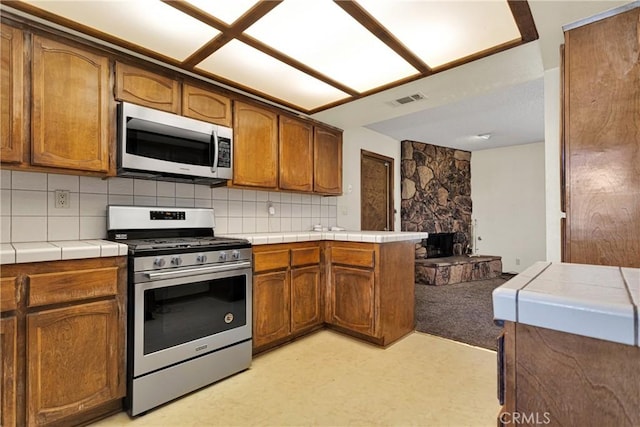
x: 328, y: 379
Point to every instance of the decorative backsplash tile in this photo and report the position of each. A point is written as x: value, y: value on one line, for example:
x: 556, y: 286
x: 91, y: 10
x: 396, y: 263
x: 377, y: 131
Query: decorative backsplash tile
x: 28, y: 212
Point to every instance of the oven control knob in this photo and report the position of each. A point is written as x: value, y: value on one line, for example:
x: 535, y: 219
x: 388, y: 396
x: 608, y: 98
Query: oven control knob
x: 176, y: 260
x: 201, y: 259
x: 235, y: 255
x: 222, y: 256
x: 159, y: 262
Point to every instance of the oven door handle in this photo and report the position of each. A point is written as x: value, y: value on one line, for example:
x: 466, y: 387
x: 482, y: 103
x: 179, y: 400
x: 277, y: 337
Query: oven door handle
x: 199, y: 270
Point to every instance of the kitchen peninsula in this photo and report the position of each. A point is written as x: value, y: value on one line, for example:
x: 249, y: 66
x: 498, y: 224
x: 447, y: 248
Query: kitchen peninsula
x: 569, y: 351
x: 357, y: 282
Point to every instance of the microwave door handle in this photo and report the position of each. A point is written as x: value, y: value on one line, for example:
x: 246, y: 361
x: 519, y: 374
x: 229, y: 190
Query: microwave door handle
x: 214, y: 147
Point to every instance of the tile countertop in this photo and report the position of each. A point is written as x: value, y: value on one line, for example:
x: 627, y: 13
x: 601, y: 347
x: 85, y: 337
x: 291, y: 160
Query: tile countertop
x: 348, y: 236
x: 13, y: 253
x: 589, y: 300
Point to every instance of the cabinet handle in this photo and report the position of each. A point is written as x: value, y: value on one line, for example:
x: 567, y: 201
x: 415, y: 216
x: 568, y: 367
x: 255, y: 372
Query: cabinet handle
x: 501, y: 376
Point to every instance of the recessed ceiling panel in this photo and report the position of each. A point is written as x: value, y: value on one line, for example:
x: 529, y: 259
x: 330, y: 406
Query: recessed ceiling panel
x: 227, y: 11
x: 440, y: 32
x: 323, y: 36
x: 249, y: 67
x: 148, y: 23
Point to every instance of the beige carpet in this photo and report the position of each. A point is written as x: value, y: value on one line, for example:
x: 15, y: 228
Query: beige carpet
x: 328, y: 379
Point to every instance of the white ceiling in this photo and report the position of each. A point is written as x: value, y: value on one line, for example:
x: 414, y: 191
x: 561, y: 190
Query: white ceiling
x: 502, y: 94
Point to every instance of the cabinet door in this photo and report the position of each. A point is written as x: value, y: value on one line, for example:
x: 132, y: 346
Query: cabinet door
x: 352, y: 299
x: 8, y: 349
x: 11, y: 91
x: 271, y: 307
x: 305, y: 298
x: 327, y: 161
x: 296, y: 155
x: 255, y: 160
x: 70, y: 115
x: 145, y: 88
x: 203, y: 104
x: 72, y: 360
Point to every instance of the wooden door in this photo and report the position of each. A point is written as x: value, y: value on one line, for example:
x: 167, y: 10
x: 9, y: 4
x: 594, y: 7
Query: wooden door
x: 305, y: 298
x: 84, y: 369
x: 71, y: 119
x: 295, y: 154
x: 255, y: 148
x: 202, y: 104
x: 352, y: 299
x: 146, y: 88
x: 271, y: 307
x: 327, y: 161
x: 11, y: 91
x: 376, y: 194
x: 8, y: 368
x: 602, y: 142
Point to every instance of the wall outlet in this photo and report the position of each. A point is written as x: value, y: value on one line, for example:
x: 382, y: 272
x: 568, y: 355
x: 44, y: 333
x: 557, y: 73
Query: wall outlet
x: 517, y: 261
x: 62, y: 198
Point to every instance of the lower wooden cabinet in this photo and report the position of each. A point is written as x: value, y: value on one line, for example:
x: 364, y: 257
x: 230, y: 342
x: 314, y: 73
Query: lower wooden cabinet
x: 8, y: 350
x: 547, y: 377
x: 370, y: 290
x: 71, y: 368
x: 287, y: 298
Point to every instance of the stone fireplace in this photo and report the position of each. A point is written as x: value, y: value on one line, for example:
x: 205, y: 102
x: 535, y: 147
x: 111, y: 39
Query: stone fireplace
x: 436, y: 198
x: 436, y: 193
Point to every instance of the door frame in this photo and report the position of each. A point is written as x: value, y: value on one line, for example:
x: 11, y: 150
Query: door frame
x: 390, y: 174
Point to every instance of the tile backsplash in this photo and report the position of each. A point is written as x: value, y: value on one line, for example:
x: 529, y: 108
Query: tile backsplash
x: 28, y: 212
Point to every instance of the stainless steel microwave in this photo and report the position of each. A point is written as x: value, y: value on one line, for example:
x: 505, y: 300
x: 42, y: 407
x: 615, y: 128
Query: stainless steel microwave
x: 160, y: 145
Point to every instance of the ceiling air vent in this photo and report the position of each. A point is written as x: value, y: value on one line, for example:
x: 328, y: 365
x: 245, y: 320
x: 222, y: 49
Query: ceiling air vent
x: 407, y: 99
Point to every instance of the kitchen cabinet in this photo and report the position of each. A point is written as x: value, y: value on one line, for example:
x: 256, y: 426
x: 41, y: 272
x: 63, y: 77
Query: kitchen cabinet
x: 74, y: 318
x: 202, y: 104
x: 255, y: 149
x: 71, y: 117
x: 146, y: 88
x: 327, y: 161
x: 9, y: 351
x: 295, y: 154
x: 287, y: 300
x: 559, y: 378
x: 370, y: 293
x: 601, y: 147
x: 12, y: 93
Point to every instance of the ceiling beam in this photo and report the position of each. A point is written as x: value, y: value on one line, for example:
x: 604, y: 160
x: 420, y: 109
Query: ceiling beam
x: 377, y: 29
x: 524, y: 20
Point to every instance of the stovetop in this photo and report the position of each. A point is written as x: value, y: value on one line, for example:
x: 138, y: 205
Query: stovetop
x: 205, y: 242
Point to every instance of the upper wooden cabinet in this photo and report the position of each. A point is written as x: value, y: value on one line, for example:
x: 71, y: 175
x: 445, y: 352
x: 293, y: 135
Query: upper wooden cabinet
x: 602, y: 141
x: 255, y: 149
x: 142, y: 87
x: 295, y: 154
x: 12, y: 87
x: 202, y: 104
x: 327, y: 161
x: 71, y: 118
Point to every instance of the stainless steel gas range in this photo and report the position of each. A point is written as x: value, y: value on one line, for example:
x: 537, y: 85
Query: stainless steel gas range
x: 189, y: 302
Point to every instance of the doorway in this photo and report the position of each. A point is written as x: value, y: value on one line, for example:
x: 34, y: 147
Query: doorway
x: 376, y: 192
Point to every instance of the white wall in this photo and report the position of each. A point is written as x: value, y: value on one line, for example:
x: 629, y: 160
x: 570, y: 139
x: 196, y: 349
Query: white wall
x: 354, y: 140
x: 552, y: 162
x: 508, y: 193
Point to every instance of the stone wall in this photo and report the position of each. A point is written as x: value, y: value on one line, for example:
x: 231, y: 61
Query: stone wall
x: 436, y: 193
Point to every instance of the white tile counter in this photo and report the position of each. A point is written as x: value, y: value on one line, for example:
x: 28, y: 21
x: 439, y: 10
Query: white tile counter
x: 589, y: 300
x: 348, y: 236
x: 12, y: 253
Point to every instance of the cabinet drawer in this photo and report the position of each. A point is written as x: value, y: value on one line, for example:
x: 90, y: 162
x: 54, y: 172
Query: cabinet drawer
x: 273, y: 260
x: 50, y: 288
x: 7, y: 294
x: 305, y: 256
x: 352, y: 256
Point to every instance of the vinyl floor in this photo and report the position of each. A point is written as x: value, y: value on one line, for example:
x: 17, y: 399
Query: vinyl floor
x: 329, y: 379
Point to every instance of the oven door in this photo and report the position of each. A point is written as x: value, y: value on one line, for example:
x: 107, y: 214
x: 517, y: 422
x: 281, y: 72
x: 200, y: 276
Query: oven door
x: 183, y: 314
